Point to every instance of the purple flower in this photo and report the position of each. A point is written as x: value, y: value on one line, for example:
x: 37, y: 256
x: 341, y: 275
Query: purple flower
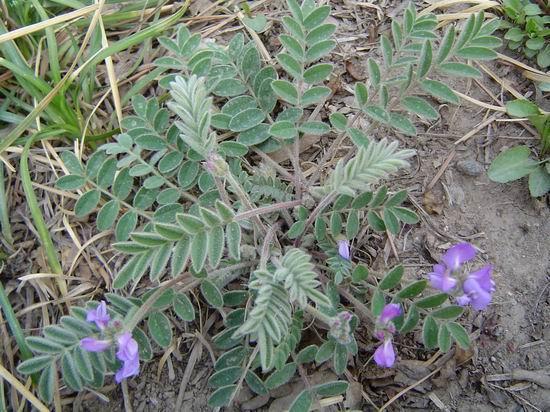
x: 128, y: 353
x: 457, y: 255
x: 384, y: 355
x: 390, y: 311
x: 343, y: 248
x: 452, y: 260
x: 94, y: 345
x: 478, y: 288
x: 99, y: 315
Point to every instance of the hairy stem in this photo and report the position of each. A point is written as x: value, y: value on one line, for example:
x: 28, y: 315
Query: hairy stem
x: 327, y: 200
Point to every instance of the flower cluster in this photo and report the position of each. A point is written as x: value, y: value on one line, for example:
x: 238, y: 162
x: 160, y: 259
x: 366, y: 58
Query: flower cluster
x: 340, y: 328
x: 128, y: 351
x: 477, y: 287
x: 385, y: 354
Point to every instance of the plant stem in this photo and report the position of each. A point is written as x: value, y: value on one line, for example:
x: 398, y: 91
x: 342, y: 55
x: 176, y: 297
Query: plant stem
x: 327, y: 200
x: 4, y: 215
x: 13, y: 323
x: 267, y: 209
x: 316, y: 313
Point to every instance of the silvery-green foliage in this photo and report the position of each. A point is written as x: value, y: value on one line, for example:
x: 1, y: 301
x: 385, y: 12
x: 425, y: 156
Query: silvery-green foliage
x: 372, y: 163
x: 193, y: 107
x: 410, y: 62
x: 183, y: 201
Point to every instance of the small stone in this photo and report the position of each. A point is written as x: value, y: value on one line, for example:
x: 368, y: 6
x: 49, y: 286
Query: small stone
x: 470, y: 167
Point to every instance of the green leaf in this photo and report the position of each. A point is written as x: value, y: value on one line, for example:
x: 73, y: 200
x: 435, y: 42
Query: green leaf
x: 318, y: 50
x: 410, y: 321
x: 420, y: 106
x: 70, y: 374
x: 316, y: 17
x: 432, y: 301
x: 314, y: 128
x: 296, y: 229
x: 514, y: 34
x: 425, y: 59
x: 539, y: 181
x: 199, y: 250
x: 360, y: 273
x: 439, y: 90
x: 233, y: 234
x: 405, y: 215
x: 429, y: 333
x: 145, y: 350
x: 294, y: 48
x: 35, y: 364
x: 232, y: 357
x: 460, y: 69
x: 338, y: 120
x: 387, y: 50
x: 361, y: 94
x: 70, y: 182
x: 246, y: 119
x: 476, y: 53
x: 320, y: 34
x: 392, y: 278
x: 317, y: 73
x: 391, y: 222
x: 511, y: 164
x: 302, y: 403
x: 315, y: 95
x: 221, y: 396
x: 229, y: 88
x: 280, y: 377
x: 46, y: 383
x: 293, y: 28
x: 352, y: 225
x: 160, y: 328
x: 377, y: 113
x: 329, y: 389
x: 255, y: 383
x: 446, y: 45
x: 402, y: 123
x: 374, y: 73
x: 238, y: 104
x: 283, y: 130
x: 87, y: 203
x: 450, y: 312
x: 60, y: 335
x: 290, y: 65
x: 521, y: 108
x: 211, y: 293
x: 375, y: 221
x: 444, y: 338
x: 225, y: 376
x: 107, y: 215
x: 126, y: 224
x: 459, y: 334
x: 216, y: 242
x: 307, y: 354
x: 412, y: 290
x: 42, y: 345
x: 285, y: 90
x: 325, y: 352
x: 183, y: 307
x: 340, y: 359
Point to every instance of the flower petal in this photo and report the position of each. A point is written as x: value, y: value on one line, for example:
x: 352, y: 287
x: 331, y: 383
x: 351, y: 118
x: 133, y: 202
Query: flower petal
x: 458, y: 254
x: 463, y: 300
x: 483, y: 278
x: 479, y: 297
x: 343, y: 248
x: 443, y: 282
x: 384, y: 355
x: 99, y: 315
x: 94, y: 345
x: 390, y: 311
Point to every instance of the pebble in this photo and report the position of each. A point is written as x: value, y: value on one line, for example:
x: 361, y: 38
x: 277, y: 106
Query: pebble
x: 470, y: 167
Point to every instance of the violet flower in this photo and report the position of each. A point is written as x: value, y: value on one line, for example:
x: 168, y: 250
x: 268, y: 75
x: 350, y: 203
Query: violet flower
x: 128, y: 353
x: 99, y: 315
x: 452, y: 260
x: 390, y: 311
x: 94, y: 345
x: 478, y: 288
x: 343, y: 248
x: 384, y: 355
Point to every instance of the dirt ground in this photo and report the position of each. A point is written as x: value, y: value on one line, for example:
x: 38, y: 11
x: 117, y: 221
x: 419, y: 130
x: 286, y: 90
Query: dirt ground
x: 509, y: 227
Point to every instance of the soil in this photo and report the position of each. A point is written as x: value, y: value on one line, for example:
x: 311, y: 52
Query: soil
x: 510, y: 228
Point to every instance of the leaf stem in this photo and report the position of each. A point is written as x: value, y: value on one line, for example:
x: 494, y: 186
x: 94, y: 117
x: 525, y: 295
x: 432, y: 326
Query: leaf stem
x: 327, y: 200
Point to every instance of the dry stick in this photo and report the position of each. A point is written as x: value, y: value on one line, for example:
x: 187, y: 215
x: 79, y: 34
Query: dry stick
x: 267, y: 209
x: 126, y: 396
x: 12, y: 380
x: 264, y: 254
x: 196, y: 353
